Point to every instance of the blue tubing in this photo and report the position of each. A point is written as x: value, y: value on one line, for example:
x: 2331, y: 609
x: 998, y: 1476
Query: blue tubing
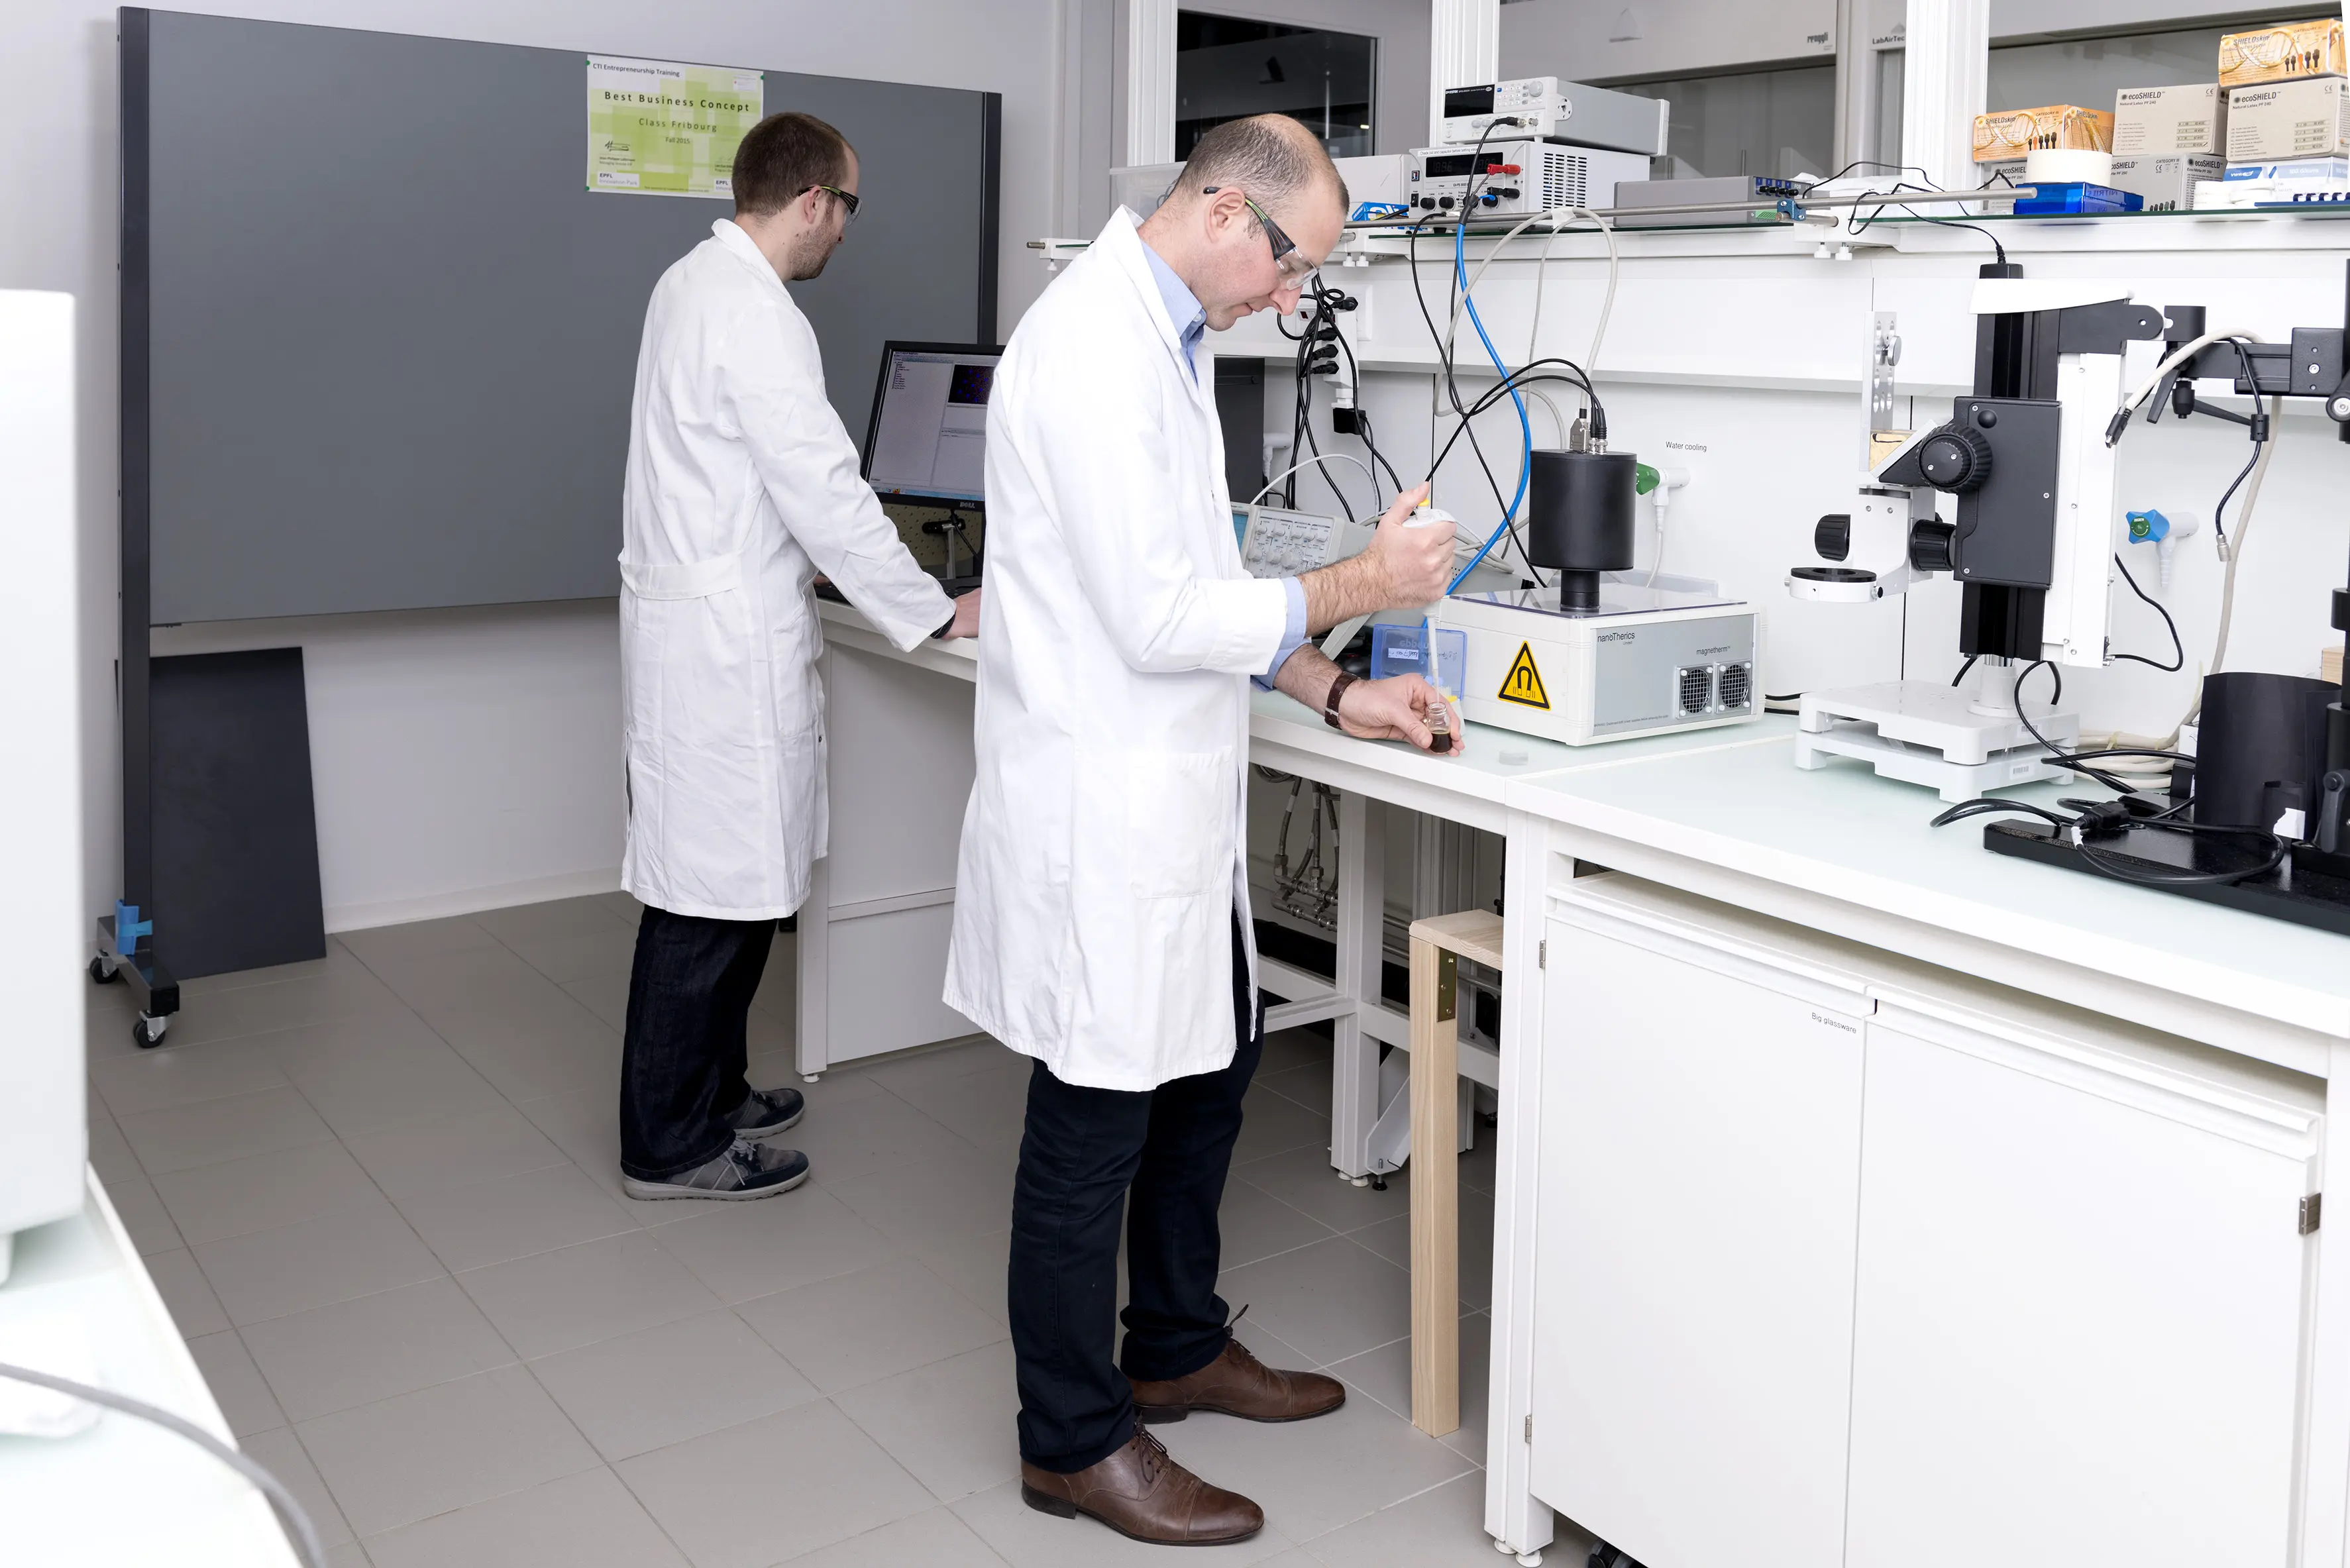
x: 1525, y: 424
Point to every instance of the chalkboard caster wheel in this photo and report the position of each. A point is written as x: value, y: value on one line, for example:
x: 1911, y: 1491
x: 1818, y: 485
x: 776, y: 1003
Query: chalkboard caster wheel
x: 154, y: 994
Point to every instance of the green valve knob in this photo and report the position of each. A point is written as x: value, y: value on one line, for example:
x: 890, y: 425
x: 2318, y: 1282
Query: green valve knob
x: 1644, y: 479
x: 2147, y: 525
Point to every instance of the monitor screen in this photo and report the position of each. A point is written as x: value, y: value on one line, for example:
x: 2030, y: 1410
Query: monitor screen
x: 929, y: 437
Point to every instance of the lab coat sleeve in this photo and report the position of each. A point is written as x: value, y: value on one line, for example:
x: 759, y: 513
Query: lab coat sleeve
x: 1108, y: 460
x: 773, y: 385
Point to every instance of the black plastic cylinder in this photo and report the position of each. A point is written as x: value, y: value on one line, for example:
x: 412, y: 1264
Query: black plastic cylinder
x: 1579, y: 519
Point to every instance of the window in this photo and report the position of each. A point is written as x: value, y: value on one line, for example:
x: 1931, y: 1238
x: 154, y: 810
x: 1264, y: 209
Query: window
x: 1779, y: 123
x: 2088, y: 72
x: 1227, y: 69
x: 2083, y: 71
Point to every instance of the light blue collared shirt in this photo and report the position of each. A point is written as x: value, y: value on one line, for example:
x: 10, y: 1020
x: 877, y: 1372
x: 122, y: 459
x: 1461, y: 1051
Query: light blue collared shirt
x: 1189, y: 320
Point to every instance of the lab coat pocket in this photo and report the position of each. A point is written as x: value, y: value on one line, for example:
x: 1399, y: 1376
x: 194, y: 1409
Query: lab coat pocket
x: 1179, y: 822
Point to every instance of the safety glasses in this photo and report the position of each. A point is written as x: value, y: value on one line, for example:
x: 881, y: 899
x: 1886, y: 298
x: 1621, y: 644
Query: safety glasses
x: 848, y: 200
x: 1296, y: 272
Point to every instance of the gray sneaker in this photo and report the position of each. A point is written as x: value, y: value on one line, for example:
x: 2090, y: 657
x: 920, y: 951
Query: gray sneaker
x: 745, y: 1170
x: 767, y: 1112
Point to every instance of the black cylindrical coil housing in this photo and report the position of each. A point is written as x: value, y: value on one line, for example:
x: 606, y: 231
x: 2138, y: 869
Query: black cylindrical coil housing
x: 1579, y: 519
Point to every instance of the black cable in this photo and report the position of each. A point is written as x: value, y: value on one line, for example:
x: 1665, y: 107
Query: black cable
x: 1877, y: 163
x: 1969, y: 664
x: 1452, y: 391
x: 2177, y: 649
x: 1986, y: 804
x: 1325, y: 299
x: 1860, y: 225
x: 2259, y: 441
x: 1489, y: 403
x: 2057, y: 754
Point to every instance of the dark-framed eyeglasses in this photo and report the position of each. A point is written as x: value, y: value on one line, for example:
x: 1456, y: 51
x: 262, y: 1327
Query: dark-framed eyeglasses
x: 848, y: 200
x: 1296, y: 272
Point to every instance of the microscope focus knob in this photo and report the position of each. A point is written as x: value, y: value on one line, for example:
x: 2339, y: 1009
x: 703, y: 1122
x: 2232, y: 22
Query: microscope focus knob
x: 1832, y: 536
x: 1929, y: 546
x: 1955, y: 458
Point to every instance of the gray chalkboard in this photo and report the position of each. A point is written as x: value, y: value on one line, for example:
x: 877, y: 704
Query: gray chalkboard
x: 390, y: 335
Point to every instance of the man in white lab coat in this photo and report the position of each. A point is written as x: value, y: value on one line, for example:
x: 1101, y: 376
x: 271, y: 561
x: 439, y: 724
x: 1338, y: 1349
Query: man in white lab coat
x: 742, y: 486
x: 1101, y: 914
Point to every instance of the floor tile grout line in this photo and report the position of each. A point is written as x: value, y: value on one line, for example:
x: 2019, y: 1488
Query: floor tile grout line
x: 875, y: 1438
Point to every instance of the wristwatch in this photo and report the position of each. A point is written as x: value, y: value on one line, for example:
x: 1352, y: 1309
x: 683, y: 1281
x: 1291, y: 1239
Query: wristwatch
x: 1330, y: 703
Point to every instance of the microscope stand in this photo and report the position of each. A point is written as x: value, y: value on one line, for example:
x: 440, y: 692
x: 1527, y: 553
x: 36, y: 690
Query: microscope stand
x: 1925, y: 733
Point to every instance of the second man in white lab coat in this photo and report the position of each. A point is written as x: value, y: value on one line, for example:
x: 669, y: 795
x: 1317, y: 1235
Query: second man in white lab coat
x: 742, y: 486
x: 1101, y: 913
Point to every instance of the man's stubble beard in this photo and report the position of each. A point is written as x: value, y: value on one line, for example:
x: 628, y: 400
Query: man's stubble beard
x: 809, y: 263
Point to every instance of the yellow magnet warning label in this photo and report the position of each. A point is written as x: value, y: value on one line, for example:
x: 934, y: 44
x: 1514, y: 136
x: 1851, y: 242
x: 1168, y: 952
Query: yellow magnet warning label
x: 1524, y: 683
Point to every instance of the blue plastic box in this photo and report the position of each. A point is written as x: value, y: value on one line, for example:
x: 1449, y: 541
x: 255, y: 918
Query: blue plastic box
x: 2048, y: 197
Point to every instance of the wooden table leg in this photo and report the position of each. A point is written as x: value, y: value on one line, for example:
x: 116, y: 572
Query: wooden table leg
x: 1435, y: 1192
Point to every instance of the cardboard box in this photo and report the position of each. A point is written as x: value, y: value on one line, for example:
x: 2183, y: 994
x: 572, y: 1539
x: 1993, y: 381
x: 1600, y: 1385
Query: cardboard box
x: 2297, y: 172
x: 2305, y: 118
x: 2282, y: 52
x: 2152, y: 121
x: 2012, y: 132
x: 2167, y: 181
x: 2304, y: 180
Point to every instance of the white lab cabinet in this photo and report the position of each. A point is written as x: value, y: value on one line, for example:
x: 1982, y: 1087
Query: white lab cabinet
x: 1700, y: 1124
x: 880, y: 906
x: 2078, y: 1328
x: 1843, y: 1260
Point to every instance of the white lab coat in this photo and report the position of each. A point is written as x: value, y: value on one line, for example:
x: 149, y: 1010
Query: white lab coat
x: 742, y: 486
x: 1102, y: 850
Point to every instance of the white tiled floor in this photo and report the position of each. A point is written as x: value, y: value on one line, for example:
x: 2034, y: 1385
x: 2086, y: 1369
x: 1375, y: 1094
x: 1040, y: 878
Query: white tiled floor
x: 381, y: 1193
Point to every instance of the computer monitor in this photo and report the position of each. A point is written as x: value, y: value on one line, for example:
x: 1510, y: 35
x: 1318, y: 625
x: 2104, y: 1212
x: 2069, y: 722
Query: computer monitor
x: 927, y: 440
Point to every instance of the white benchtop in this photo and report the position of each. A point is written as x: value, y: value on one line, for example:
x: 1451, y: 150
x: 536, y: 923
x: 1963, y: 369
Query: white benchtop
x: 1472, y: 787
x: 1468, y: 787
x: 124, y: 1491
x: 1846, y: 851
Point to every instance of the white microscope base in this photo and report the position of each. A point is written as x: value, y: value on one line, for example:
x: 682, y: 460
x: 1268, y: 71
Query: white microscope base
x: 1924, y: 734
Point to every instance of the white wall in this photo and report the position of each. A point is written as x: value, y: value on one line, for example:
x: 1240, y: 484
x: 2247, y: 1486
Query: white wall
x: 1767, y: 463
x: 472, y: 755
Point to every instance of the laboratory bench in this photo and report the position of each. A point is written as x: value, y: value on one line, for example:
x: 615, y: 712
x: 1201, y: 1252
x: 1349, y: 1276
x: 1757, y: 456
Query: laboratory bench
x: 122, y: 1492
x: 1862, y: 1196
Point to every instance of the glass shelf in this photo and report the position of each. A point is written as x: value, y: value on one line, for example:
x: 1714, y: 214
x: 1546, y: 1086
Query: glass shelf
x: 2331, y: 210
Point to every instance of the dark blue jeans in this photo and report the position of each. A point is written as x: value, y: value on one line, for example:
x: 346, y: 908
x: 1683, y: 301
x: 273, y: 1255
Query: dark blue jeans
x: 682, y: 1056
x: 1160, y: 1155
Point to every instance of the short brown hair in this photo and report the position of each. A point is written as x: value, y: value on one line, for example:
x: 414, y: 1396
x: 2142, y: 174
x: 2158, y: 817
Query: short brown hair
x: 1271, y: 157
x: 780, y: 157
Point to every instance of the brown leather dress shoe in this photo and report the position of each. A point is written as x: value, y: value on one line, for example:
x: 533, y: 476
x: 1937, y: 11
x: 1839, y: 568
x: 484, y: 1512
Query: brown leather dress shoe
x: 1140, y: 1491
x: 1238, y: 1384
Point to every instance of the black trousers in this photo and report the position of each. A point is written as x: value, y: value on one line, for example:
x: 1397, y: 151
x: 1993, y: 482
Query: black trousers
x: 682, y: 1056
x: 1160, y: 1156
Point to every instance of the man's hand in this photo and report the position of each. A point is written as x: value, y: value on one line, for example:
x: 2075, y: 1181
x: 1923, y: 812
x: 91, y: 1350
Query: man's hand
x: 1415, y: 563
x: 966, y: 616
x: 1404, y: 568
x: 1398, y: 709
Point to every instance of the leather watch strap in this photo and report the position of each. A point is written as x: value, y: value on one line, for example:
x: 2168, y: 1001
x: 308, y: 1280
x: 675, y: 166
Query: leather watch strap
x: 1330, y: 703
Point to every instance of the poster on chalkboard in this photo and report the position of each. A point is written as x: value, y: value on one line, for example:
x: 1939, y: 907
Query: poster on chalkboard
x: 657, y: 128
